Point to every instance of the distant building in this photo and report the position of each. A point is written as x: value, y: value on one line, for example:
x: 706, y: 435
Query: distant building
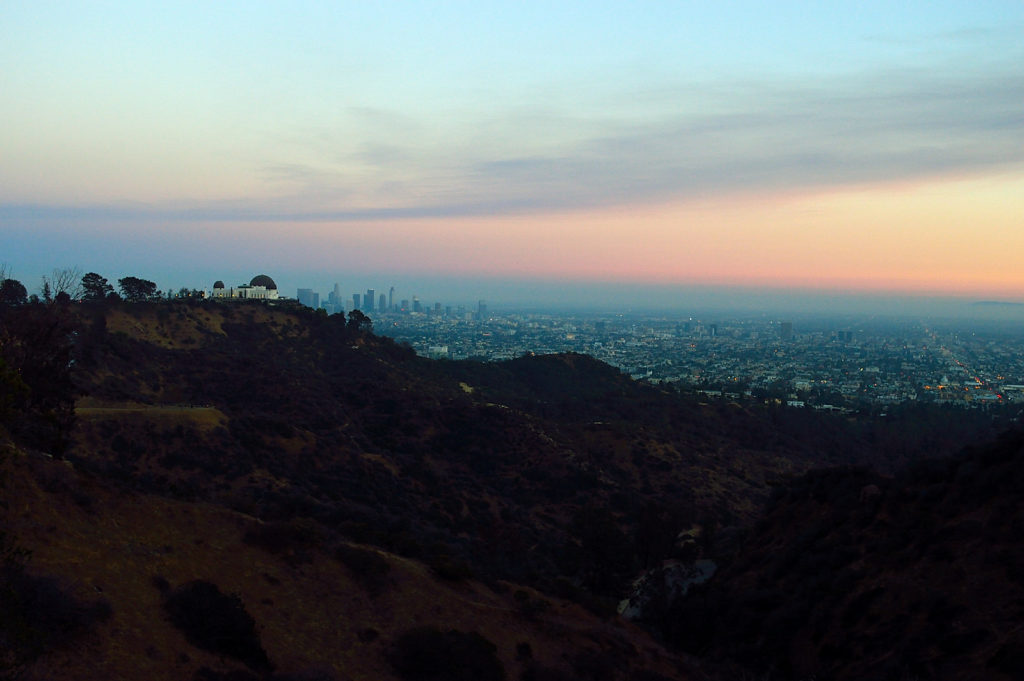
x: 368, y: 300
x: 438, y: 352
x: 382, y: 303
x: 335, y: 304
x: 261, y: 287
x: 786, y: 331
x: 355, y: 302
x: 308, y: 297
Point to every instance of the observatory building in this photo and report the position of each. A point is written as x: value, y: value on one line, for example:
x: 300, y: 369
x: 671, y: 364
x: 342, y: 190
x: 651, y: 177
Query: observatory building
x: 261, y: 287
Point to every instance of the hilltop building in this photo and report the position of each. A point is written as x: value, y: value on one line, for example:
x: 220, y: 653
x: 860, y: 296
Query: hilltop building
x: 261, y: 287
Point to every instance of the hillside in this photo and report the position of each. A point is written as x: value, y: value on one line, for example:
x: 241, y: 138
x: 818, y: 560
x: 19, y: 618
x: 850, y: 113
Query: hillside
x: 104, y: 564
x: 853, y: 576
x: 312, y: 468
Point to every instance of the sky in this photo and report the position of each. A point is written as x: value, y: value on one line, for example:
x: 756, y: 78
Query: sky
x: 519, y: 150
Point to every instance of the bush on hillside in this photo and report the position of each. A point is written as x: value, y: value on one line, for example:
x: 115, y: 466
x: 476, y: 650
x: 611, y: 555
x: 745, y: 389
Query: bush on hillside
x: 37, y: 614
x: 216, y: 622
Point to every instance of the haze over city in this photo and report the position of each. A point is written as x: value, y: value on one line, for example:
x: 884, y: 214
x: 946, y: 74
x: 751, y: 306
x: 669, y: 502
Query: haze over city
x: 574, y: 153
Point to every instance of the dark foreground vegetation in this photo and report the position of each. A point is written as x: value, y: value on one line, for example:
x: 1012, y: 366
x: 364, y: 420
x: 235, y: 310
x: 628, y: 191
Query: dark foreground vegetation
x: 336, y: 464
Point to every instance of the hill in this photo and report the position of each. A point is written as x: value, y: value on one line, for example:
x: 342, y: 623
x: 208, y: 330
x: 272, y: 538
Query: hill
x: 850, y: 575
x: 246, y: 453
x: 92, y: 600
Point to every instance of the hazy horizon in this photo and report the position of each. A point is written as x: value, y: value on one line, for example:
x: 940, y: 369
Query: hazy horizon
x: 587, y: 297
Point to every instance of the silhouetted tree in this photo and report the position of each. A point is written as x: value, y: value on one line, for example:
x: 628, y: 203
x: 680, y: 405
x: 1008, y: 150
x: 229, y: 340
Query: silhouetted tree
x: 95, y: 287
x: 12, y: 292
x: 359, y: 322
x: 35, y: 344
x: 12, y: 393
x: 136, y: 290
x: 65, y: 280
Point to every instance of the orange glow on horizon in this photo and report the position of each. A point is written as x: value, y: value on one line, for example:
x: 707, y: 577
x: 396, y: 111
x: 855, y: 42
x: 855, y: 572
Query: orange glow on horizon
x: 958, y: 237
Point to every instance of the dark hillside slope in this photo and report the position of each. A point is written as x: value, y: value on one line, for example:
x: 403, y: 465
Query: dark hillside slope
x: 97, y: 582
x: 243, y: 454
x: 853, y: 576
x: 282, y: 412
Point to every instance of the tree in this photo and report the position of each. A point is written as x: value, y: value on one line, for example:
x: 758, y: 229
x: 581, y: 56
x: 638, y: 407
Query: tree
x: 95, y: 287
x: 12, y: 393
x: 359, y: 322
x: 65, y: 280
x: 36, y: 346
x: 136, y: 290
x: 12, y: 292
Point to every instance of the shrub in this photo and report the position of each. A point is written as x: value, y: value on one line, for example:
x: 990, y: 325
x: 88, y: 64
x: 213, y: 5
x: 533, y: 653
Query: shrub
x: 36, y: 614
x: 216, y: 622
x: 429, y: 654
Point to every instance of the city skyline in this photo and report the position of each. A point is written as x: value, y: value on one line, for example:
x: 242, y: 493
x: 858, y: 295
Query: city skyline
x: 739, y: 151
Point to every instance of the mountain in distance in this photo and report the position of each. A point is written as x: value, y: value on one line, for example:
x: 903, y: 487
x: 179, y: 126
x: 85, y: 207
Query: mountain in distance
x: 998, y: 303
x: 350, y: 510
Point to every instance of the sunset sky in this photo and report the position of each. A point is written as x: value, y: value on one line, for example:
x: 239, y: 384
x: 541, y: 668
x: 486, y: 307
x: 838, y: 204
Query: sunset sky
x: 839, y: 147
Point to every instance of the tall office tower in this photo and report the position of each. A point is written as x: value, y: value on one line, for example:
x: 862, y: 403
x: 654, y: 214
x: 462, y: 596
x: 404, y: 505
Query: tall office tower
x: 786, y: 331
x: 405, y: 305
x: 337, y: 303
x: 481, y: 310
x: 437, y: 309
x: 308, y: 298
x: 416, y: 305
x: 355, y: 302
x: 382, y: 303
x: 369, y: 299
x: 391, y: 299
x: 447, y: 310
x: 713, y: 330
